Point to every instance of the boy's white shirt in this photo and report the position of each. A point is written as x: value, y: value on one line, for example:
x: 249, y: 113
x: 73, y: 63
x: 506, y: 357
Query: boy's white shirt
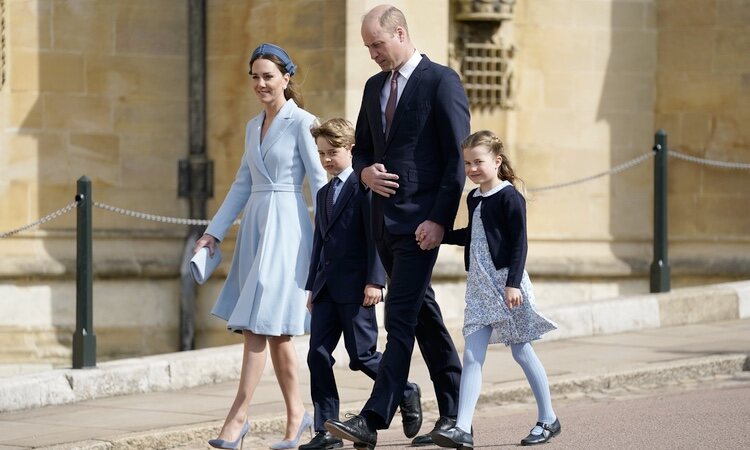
x: 343, y: 176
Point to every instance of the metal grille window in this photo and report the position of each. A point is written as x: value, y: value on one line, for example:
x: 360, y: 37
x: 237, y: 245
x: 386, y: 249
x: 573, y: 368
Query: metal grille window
x: 488, y: 74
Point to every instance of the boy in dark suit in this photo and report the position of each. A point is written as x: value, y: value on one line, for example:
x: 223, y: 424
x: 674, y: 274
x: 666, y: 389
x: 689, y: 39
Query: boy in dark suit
x: 345, y: 281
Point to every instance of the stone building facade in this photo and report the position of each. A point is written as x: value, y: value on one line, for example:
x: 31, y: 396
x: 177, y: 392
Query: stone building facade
x: 99, y: 87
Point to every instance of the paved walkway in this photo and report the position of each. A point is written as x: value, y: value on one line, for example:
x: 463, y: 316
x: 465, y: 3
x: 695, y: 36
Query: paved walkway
x: 171, y: 419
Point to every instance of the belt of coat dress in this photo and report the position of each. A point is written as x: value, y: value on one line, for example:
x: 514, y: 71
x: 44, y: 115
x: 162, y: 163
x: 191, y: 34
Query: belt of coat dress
x: 276, y: 188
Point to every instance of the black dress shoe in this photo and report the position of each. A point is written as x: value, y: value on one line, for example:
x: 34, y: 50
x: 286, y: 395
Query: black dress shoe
x: 453, y: 438
x: 323, y: 440
x: 354, y: 429
x: 548, y: 432
x: 443, y: 423
x: 411, y: 412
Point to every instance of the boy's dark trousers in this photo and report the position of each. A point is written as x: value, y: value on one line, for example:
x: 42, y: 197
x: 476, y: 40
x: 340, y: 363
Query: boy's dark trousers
x: 330, y: 320
x: 359, y: 327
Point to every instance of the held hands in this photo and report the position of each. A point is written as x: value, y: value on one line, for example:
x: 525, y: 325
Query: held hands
x: 513, y: 297
x: 373, y: 295
x: 429, y: 235
x: 205, y: 241
x: 379, y: 180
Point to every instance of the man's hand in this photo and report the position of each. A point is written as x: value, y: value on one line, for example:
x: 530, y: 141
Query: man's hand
x: 373, y: 295
x: 309, y: 301
x: 513, y: 297
x: 379, y: 180
x: 429, y: 234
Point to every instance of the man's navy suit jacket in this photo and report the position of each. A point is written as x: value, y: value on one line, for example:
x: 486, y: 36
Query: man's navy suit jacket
x: 344, y: 258
x: 423, y: 148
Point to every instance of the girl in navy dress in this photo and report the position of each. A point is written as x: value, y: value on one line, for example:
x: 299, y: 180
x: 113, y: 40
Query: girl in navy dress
x: 499, y: 295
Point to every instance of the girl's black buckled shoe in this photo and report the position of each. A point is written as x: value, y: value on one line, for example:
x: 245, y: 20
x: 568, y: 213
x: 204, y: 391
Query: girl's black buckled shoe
x: 548, y: 432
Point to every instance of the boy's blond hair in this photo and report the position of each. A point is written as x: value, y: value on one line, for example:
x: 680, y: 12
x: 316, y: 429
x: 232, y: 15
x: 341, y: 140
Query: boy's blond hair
x: 338, y: 132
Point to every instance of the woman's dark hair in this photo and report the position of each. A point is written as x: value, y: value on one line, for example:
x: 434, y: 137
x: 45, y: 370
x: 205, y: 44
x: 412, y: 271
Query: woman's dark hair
x: 291, y: 91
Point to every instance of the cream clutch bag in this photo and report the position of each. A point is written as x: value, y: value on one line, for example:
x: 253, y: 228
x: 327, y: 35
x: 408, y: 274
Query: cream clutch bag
x: 202, y: 265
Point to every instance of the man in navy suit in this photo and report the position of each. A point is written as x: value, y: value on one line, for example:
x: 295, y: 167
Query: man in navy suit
x: 345, y: 279
x: 413, y: 117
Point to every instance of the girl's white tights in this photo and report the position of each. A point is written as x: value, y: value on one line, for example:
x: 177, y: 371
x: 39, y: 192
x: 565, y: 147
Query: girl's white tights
x: 475, y: 351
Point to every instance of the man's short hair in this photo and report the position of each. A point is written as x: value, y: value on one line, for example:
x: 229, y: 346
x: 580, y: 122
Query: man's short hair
x: 392, y: 18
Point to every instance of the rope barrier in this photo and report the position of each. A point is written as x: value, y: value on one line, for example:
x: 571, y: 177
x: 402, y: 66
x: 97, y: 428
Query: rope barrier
x: 182, y: 221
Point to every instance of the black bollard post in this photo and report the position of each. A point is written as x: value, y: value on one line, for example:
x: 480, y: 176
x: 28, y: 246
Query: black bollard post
x: 660, y: 274
x: 84, y: 339
x: 195, y: 180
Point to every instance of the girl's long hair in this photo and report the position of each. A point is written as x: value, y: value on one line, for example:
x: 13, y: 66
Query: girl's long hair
x: 490, y: 140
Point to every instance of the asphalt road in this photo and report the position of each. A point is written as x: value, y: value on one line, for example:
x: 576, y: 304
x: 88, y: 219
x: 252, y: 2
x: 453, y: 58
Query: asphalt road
x: 709, y: 417
x: 709, y: 414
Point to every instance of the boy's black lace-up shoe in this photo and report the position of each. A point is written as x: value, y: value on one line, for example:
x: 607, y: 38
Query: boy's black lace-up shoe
x: 354, y: 429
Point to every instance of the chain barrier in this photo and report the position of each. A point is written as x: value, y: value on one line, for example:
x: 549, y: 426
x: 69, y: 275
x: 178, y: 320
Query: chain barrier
x: 204, y: 222
x: 3, y: 63
x: 709, y: 162
x: 62, y: 211
x: 151, y: 217
x: 114, y: 209
x: 154, y: 217
x: 617, y: 169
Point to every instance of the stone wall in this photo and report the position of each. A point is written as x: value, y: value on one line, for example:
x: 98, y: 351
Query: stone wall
x: 95, y: 88
x: 99, y: 87
x: 597, y: 79
x: 703, y: 101
x: 585, y: 104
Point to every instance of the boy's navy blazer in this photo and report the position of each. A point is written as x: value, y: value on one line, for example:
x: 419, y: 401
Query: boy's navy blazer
x: 503, y: 215
x: 423, y: 147
x: 344, y: 258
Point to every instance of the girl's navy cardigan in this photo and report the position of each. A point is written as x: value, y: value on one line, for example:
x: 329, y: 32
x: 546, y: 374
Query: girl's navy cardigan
x: 504, y: 217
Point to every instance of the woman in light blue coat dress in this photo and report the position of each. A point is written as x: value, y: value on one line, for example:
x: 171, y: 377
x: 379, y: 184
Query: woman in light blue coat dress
x: 264, y: 295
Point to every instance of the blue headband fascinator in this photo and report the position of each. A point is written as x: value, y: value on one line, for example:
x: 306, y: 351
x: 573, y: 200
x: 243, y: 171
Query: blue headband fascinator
x: 275, y: 50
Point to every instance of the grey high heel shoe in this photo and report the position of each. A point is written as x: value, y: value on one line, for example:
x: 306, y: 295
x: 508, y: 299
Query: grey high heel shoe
x: 307, y: 423
x: 231, y: 445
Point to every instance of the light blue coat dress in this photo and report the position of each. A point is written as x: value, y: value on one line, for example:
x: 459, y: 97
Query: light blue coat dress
x: 265, y: 289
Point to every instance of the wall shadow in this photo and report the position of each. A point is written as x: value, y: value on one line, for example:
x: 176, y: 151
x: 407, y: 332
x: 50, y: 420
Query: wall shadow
x: 627, y: 105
